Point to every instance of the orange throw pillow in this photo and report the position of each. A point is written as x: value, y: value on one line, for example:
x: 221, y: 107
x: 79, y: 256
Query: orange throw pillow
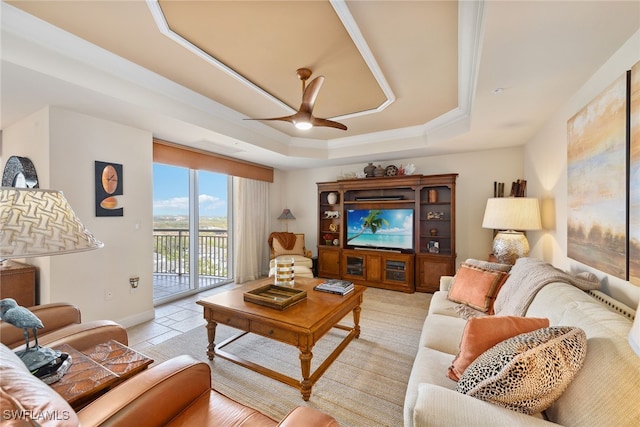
x: 482, y: 333
x: 476, y: 287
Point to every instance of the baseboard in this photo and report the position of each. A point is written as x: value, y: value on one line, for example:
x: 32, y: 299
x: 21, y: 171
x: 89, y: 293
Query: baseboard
x: 138, y: 318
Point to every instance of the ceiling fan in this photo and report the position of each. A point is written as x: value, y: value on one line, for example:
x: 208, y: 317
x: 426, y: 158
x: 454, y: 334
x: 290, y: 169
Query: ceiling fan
x: 303, y: 118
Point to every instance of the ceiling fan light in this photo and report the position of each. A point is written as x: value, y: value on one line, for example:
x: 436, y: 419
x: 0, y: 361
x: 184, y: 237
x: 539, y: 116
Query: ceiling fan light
x: 303, y: 125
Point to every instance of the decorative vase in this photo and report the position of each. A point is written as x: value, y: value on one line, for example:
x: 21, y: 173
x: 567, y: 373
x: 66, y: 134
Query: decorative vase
x: 433, y: 196
x: 284, y: 271
x: 369, y: 170
x: 433, y: 231
x: 332, y: 198
x: 379, y: 171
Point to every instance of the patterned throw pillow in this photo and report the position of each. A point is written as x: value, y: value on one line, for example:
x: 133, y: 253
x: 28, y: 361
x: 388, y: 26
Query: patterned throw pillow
x: 528, y: 372
x: 482, y: 333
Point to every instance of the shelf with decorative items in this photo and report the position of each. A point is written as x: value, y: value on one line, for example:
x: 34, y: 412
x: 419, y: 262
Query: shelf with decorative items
x: 330, y: 220
x: 436, y: 252
x: 329, y: 228
x: 435, y: 220
x: 430, y: 253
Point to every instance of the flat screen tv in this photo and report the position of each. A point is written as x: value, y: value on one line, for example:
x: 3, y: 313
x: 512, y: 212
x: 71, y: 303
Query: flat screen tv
x: 380, y: 229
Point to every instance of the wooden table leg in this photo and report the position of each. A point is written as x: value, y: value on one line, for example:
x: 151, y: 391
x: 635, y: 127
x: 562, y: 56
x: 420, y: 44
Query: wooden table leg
x: 211, y: 334
x: 356, y: 321
x: 305, y: 363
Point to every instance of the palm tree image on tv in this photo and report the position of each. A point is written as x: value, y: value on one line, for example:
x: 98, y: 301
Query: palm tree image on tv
x: 390, y: 228
x: 372, y: 222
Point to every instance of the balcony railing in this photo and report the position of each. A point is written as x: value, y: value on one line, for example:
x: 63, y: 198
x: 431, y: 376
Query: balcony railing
x: 171, y: 252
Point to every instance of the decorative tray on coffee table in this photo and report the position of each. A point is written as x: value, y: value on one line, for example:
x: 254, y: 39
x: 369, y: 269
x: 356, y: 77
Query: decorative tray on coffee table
x: 273, y: 296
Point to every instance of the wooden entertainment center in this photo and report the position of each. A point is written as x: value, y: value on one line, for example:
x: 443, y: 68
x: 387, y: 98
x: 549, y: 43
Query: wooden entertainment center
x: 432, y: 200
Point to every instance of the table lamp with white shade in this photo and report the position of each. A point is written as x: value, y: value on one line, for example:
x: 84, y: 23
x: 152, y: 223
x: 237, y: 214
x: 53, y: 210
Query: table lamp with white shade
x: 511, y: 216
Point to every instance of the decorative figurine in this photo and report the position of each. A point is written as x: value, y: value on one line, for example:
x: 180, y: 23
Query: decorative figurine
x: 41, y: 361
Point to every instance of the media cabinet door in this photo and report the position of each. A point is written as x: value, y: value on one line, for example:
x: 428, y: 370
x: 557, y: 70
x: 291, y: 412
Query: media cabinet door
x: 430, y: 268
x: 329, y: 262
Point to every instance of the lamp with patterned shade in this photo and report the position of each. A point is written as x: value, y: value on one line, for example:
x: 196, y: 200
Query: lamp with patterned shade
x: 33, y: 223
x: 36, y: 222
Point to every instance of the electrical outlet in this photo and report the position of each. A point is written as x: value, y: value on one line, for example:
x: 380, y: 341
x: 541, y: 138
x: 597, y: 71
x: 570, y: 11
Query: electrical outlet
x: 108, y: 295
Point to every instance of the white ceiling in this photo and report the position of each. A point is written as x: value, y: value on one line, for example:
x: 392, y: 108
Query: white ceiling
x: 538, y: 52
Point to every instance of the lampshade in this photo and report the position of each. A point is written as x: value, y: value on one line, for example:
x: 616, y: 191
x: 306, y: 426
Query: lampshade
x: 509, y: 214
x: 286, y: 214
x: 634, y: 333
x: 36, y: 222
x: 512, y: 213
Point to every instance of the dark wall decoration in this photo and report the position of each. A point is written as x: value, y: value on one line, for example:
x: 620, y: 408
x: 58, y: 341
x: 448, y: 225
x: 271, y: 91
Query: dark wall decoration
x: 597, y: 182
x: 109, y: 189
x: 20, y: 172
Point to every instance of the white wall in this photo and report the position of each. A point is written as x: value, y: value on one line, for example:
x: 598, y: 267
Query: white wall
x: 63, y: 146
x: 477, y: 172
x: 546, y: 171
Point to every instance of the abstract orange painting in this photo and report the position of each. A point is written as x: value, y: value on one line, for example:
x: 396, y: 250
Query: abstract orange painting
x: 597, y: 182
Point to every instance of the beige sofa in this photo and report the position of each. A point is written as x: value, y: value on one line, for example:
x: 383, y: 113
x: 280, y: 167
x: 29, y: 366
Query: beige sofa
x: 603, y: 393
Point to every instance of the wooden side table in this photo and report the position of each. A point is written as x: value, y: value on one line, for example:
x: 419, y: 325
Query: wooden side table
x: 18, y: 281
x: 97, y: 370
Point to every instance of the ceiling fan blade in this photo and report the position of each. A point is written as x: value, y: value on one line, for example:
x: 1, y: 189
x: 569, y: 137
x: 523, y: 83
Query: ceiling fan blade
x: 282, y: 119
x: 310, y: 94
x: 327, y: 123
x: 303, y: 119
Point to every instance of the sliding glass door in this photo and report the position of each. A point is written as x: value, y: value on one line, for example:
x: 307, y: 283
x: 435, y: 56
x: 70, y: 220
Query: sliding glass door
x: 191, y: 209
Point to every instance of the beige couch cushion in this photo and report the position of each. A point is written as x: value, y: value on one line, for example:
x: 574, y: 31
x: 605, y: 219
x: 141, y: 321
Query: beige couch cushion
x: 442, y: 407
x: 441, y: 305
x: 604, y: 393
x: 432, y: 336
x: 429, y: 367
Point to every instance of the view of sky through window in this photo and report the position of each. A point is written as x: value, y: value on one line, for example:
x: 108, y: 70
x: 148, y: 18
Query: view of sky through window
x: 171, y: 192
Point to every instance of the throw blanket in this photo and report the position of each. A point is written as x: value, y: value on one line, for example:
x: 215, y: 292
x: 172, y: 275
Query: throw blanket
x: 287, y: 240
x: 527, y: 277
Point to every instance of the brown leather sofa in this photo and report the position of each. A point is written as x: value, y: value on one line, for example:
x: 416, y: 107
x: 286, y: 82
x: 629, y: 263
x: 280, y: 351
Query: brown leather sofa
x: 177, y: 392
x: 174, y: 393
x: 63, y: 325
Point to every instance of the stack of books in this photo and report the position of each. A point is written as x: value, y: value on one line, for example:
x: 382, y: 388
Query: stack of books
x: 335, y: 286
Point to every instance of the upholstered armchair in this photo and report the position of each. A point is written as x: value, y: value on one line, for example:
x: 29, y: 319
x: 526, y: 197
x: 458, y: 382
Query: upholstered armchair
x: 63, y: 325
x: 290, y: 245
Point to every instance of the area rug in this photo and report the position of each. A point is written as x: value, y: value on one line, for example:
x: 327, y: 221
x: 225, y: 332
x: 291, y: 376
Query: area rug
x: 365, y: 386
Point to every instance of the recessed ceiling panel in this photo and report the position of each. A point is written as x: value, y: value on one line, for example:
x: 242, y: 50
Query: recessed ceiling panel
x: 266, y: 42
x: 413, y: 43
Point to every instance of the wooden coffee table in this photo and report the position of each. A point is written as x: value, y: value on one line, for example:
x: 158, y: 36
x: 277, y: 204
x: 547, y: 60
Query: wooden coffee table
x: 300, y: 325
x: 96, y: 370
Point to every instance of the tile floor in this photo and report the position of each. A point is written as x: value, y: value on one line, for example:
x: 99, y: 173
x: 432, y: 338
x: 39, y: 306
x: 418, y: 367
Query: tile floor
x: 171, y: 319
